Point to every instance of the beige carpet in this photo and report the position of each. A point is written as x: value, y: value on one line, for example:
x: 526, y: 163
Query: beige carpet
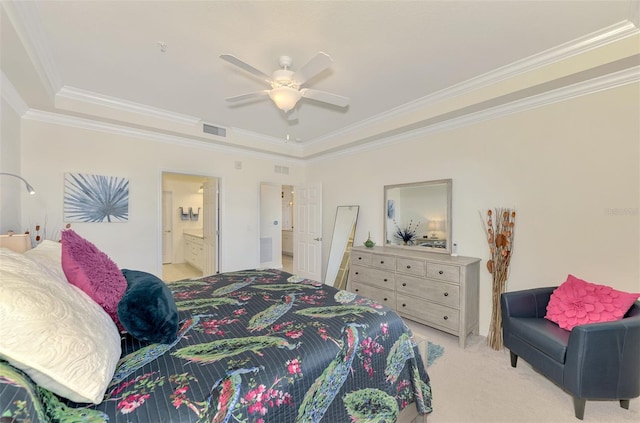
x: 479, y: 385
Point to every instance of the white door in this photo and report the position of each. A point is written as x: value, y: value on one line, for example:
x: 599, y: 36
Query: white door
x: 210, y: 226
x: 167, y: 227
x: 271, y: 226
x: 307, y: 232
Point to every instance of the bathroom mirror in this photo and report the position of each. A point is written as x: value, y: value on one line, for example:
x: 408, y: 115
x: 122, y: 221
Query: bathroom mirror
x: 344, y: 230
x: 418, y: 215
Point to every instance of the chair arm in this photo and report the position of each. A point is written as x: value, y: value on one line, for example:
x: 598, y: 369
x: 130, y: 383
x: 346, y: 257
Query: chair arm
x: 610, y: 352
x: 526, y: 303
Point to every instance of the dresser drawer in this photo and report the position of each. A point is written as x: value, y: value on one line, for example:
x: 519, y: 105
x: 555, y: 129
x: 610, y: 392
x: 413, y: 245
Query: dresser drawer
x: 358, y: 257
x: 370, y: 276
x: 411, y: 266
x: 433, y: 289
x: 430, y: 313
x: 443, y: 272
x: 381, y: 296
x: 383, y: 262
x: 439, y: 292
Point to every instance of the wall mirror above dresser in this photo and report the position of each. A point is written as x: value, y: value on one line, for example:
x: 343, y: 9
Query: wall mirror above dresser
x: 418, y: 215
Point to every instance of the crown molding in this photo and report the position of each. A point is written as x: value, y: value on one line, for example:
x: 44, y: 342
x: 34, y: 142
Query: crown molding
x: 572, y: 48
x: 125, y: 105
x: 11, y: 95
x: 25, y: 19
x: 114, y: 129
x: 606, y: 82
x: 610, y: 81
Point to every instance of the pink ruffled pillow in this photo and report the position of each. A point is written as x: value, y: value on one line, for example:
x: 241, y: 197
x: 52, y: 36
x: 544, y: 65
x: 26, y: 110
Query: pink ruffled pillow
x: 91, y: 270
x: 577, y: 302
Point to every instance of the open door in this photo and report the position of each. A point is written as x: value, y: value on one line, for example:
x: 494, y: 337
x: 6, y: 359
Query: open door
x: 307, y: 232
x: 210, y: 213
x: 270, y: 226
x: 167, y: 227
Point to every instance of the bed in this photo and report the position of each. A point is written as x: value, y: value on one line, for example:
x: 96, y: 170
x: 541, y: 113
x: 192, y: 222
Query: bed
x: 259, y: 346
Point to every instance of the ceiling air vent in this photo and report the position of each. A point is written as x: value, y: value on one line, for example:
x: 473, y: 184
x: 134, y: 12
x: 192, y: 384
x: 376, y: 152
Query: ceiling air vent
x: 282, y: 169
x: 214, y: 130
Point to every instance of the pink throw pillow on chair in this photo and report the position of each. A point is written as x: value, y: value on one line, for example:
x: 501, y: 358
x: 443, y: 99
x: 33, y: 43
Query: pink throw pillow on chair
x: 577, y: 302
x: 91, y: 270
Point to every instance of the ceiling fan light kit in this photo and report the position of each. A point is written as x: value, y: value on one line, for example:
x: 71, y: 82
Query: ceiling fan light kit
x: 285, y: 84
x: 285, y: 98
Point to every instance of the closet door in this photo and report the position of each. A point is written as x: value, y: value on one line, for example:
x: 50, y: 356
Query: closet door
x: 307, y: 232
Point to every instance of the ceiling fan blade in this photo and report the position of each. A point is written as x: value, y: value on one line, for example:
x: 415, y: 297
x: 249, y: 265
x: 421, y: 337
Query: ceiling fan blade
x: 242, y: 97
x: 245, y: 66
x: 325, y: 97
x: 313, y: 67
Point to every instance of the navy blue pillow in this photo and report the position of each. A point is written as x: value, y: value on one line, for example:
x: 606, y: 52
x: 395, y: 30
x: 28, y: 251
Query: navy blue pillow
x: 147, y: 309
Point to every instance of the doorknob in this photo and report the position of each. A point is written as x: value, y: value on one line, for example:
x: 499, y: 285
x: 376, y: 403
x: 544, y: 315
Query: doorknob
x: 317, y: 239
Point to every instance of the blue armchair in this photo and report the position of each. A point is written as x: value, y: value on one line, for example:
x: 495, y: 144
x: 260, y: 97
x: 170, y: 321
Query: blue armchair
x: 594, y: 361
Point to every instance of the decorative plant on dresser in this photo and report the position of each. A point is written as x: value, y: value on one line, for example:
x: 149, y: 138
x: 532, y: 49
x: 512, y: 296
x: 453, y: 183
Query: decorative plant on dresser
x: 499, y: 226
x: 437, y: 290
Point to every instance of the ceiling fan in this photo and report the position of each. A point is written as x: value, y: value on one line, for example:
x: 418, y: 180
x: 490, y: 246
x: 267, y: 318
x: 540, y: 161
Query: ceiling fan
x: 285, y: 84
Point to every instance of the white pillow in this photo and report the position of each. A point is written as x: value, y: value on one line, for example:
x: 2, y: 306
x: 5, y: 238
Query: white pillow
x: 49, y: 255
x: 54, y: 332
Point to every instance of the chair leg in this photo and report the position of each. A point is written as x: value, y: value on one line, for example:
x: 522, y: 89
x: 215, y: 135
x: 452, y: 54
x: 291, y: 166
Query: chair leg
x: 578, y: 406
x: 624, y: 404
x: 514, y: 359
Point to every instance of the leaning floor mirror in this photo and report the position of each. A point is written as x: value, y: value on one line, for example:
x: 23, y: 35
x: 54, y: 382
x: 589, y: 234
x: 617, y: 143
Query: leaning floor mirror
x: 344, y: 230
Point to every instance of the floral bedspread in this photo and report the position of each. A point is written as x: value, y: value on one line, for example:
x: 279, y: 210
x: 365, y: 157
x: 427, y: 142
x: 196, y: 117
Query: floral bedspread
x: 254, y: 346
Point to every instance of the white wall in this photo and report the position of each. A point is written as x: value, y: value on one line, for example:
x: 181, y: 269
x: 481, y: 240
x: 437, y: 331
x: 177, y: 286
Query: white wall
x: 50, y: 150
x: 570, y: 169
x: 11, y: 189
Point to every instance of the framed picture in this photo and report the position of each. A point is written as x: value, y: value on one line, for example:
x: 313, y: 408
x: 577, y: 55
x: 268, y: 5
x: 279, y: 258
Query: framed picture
x: 95, y: 198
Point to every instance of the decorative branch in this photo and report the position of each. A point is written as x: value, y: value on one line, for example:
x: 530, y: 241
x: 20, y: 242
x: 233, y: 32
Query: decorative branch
x: 499, y: 227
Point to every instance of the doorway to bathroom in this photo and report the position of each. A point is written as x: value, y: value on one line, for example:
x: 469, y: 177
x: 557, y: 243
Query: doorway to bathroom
x: 190, y: 226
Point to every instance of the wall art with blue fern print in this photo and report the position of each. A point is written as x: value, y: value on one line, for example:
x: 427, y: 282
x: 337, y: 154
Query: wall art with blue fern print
x: 95, y: 198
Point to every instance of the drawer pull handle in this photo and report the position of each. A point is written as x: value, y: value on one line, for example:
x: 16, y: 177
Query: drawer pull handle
x: 404, y: 284
x: 446, y: 294
x: 404, y: 305
x: 408, y: 266
x: 381, y: 261
x: 357, y: 290
x: 385, y: 280
x: 446, y: 317
x: 385, y: 299
x: 441, y: 272
x: 357, y: 273
x: 359, y: 258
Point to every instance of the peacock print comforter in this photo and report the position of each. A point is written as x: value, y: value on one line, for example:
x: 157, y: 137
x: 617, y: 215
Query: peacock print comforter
x: 254, y: 346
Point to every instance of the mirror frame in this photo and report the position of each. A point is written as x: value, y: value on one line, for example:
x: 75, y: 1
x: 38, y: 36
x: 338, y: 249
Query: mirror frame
x: 448, y: 184
x: 340, y: 248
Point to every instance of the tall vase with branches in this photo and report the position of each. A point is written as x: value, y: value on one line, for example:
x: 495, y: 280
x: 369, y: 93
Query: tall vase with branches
x: 499, y: 227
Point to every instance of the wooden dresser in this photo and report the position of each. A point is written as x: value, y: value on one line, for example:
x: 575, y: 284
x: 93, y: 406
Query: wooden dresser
x: 437, y: 290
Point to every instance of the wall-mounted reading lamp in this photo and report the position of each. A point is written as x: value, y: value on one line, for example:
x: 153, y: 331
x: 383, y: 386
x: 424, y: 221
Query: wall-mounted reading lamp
x: 27, y: 184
